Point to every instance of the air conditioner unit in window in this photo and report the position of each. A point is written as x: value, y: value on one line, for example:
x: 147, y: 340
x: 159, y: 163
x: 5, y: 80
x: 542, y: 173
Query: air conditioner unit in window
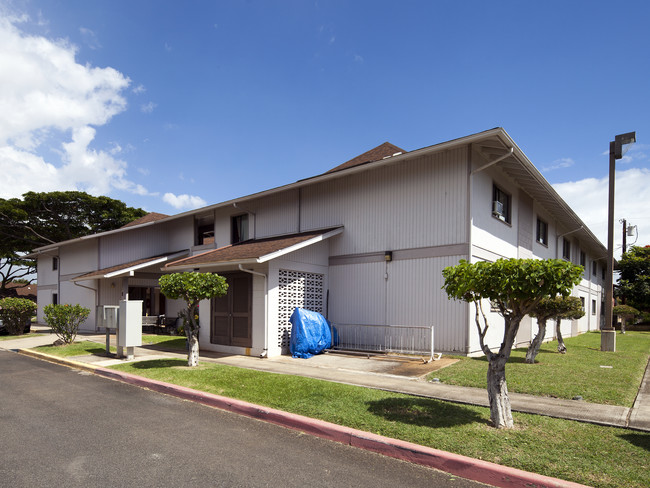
x: 497, y: 208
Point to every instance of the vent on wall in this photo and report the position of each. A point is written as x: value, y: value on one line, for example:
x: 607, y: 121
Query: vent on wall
x: 297, y: 289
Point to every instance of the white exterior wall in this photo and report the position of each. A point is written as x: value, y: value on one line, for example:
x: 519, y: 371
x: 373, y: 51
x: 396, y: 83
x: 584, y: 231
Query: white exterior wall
x: 402, y: 292
x: 124, y: 247
x: 76, y: 259
x: 493, y: 239
x: 416, y: 204
x: 48, y: 283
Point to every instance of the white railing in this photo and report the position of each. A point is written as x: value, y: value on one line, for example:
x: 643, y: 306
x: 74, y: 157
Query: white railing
x: 397, y: 339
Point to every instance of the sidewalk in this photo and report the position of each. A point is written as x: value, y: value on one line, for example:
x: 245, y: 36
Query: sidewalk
x: 376, y: 373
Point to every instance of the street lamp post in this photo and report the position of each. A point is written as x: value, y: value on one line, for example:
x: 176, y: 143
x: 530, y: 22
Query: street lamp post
x: 608, y: 334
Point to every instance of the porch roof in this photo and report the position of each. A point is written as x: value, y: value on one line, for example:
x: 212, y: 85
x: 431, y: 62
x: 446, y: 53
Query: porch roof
x: 255, y: 250
x: 128, y: 269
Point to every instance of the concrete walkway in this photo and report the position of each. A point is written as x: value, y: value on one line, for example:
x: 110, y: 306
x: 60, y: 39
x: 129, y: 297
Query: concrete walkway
x: 378, y: 373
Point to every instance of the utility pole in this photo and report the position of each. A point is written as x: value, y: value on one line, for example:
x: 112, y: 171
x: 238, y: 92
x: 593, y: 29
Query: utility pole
x: 624, y: 236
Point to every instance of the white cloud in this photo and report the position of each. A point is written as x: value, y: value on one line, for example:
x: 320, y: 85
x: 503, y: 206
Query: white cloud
x: 147, y: 108
x: 139, y: 89
x: 589, y: 199
x: 186, y: 202
x: 47, y: 96
x: 559, y: 164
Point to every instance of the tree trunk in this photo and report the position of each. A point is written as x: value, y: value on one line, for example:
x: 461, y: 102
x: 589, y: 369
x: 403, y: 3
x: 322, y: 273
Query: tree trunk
x: 192, y: 333
x: 622, y: 325
x: 536, y: 343
x: 193, y: 351
x: 561, y: 348
x: 500, y: 412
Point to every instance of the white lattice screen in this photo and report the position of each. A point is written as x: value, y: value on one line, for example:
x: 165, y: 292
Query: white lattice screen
x: 297, y: 289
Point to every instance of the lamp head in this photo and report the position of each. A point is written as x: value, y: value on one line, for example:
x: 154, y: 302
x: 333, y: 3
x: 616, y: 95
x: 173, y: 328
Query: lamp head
x: 623, y: 140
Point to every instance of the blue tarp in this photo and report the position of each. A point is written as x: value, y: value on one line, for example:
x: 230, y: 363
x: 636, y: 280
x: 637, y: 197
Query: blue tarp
x: 310, y: 333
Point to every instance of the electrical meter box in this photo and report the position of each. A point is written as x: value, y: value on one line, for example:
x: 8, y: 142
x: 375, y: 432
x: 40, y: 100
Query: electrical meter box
x: 129, y: 328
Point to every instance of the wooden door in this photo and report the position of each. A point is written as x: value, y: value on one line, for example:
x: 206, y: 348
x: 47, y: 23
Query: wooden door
x: 231, y: 315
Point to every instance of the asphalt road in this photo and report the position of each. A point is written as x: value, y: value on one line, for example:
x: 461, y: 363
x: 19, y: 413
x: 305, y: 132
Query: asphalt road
x: 63, y: 427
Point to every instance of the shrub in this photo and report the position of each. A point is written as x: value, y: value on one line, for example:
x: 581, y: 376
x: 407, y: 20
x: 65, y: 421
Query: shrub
x: 15, y: 313
x: 65, y: 320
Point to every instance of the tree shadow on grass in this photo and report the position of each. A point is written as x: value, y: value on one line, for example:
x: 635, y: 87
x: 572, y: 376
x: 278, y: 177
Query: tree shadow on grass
x: 424, y: 412
x: 638, y: 439
x: 159, y: 363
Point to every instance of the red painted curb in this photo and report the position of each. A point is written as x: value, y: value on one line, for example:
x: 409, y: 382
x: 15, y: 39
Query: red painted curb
x: 463, y: 466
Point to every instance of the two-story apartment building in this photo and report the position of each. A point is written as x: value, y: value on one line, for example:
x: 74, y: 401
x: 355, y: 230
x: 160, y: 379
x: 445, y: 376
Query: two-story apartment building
x: 364, y: 243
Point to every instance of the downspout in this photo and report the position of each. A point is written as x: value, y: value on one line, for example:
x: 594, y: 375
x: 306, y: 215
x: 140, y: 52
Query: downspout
x: 265, y: 351
x: 95, y: 290
x: 557, y: 239
x: 254, y: 218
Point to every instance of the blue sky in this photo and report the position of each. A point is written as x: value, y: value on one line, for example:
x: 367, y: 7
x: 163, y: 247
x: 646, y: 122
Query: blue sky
x: 171, y: 105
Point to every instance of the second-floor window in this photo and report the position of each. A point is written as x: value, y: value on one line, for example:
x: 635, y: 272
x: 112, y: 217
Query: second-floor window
x: 239, y: 228
x: 583, y: 259
x: 501, y: 204
x: 594, y: 268
x: 566, y: 249
x: 55, y: 263
x: 542, y: 232
x: 204, y: 231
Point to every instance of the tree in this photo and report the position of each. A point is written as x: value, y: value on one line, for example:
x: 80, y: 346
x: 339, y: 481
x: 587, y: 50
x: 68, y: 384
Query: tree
x: 65, y: 320
x: 557, y: 307
x: 634, y: 279
x: 192, y: 288
x: 39, y: 219
x: 625, y: 312
x: 572, y: 311
x: 15, y: 313
x: 515, y: 287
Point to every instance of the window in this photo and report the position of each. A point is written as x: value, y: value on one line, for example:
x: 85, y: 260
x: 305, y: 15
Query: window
x: 204, y: 231
x: 542, y: 232
x: 593, y: 307
x: 55, y: 263
x: 500, y: 204
x: 602, y: 271
x: 566, y: 249
x: 582, y: 302
x: 602, y: 308
x: 594, y: 268
x: 239, y: 228
x: 55, y: 298
x: 583, y: 259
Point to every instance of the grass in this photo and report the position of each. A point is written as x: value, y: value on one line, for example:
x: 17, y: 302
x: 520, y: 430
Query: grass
x: 164, y: 341
x: 593, y: 455
x: 578, y: 372
x: 81, y: 348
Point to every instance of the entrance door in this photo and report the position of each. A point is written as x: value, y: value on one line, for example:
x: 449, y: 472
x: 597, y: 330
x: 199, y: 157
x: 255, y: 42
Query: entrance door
x: 231, y: 316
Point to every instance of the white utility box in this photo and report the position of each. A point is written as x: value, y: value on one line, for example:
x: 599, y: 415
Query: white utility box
x: 129, y: 326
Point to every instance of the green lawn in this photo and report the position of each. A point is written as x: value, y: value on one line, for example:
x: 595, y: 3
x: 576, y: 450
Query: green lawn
x: 75, y: 349
x: 578, y: 372
x: 176, y: 343
x: 88, y: 347
x: 585, y: 453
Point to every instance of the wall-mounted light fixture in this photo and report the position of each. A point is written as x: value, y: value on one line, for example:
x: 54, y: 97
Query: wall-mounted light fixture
x: 388, y: 256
